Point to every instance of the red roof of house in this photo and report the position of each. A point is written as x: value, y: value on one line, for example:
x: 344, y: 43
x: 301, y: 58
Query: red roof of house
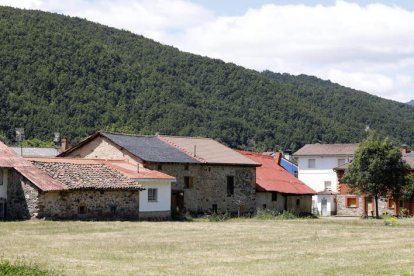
x: 9, y: 159
x: 128, y: 169
x: 271, y: 177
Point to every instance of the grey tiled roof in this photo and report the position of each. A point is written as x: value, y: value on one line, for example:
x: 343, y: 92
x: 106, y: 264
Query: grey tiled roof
x: 150, y: 148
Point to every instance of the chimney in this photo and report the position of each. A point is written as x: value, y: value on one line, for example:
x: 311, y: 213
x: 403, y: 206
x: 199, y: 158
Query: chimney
x: 404, y: 150
x: 65, y: 145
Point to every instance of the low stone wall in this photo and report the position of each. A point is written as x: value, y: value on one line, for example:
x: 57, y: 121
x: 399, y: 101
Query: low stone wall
x: 90, y: 204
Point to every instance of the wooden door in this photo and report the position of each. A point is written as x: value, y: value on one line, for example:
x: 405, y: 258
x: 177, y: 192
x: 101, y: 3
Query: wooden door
x: 177, y: 200
x: 369, y: 206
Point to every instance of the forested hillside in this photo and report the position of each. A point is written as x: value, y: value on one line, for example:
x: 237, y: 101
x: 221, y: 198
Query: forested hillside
x: 70, y: 75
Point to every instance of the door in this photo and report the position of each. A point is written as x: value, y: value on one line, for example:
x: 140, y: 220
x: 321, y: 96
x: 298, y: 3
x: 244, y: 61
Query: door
x: 369, y: 206
x: 324, y: 207
x: 2, y: 209
x: 177, y: 201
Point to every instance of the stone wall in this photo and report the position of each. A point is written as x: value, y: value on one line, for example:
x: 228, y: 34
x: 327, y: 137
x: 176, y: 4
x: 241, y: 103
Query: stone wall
x: 210, y: 186
x: 102, y: 148
x: 22, y: 197
x: 343, y: 210
x: 284, y: 202
x: 90, y: 204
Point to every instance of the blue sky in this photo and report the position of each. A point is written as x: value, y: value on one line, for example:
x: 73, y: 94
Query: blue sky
x: 366, y: 45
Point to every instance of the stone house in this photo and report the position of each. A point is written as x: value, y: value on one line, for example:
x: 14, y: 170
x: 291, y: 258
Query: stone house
x: 276, y: 188
x: 351, y: 204
x: 210, y: 177
x: 316, y: 163
x: 59, y: 188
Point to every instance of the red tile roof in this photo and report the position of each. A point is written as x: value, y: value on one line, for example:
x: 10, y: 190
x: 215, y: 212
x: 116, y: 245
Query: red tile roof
x: 271, y: 177
x: 9, y: 159
x: 131, y: 170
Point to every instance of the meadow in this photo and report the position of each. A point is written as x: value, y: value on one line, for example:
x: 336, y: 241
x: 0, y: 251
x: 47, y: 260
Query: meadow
x: 233, y: 247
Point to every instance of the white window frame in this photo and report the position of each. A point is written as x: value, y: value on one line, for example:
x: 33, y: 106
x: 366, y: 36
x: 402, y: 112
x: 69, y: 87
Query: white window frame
x: 152, y: 194
x: 311, y: 163
x: 341, y: 161
x: 326, y: 186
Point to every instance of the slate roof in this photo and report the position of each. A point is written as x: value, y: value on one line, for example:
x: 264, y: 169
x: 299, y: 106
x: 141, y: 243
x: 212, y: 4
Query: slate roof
x: 84, y: 174
x: 150, y: 148
x: 326, y: 149
x: 136, y: 171
x: 271, y: 177
x: 207, y: 150
x: 172, y: 149
x: 35, y: 152
x: 9, y: 159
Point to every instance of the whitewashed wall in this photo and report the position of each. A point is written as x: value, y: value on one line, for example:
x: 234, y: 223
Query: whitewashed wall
x: 163, y: 202
x: 323, y: 171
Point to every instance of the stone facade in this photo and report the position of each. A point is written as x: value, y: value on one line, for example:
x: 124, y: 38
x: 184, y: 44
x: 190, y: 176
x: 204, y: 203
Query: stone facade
x: 25, y: 201
x: 90, y: 204
x: 291, y: 203
x: 22, y: 197
x: 358, y: 211
x: 209, y: 186
x: 100, y: 148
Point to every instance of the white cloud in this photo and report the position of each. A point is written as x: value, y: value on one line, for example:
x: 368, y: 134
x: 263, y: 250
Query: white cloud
x: 369, y: 47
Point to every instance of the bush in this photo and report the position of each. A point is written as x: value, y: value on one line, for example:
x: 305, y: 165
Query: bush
x: 20, y: 268
x: 390, y: 221
x: 269, y: 214
x: 219, y: 217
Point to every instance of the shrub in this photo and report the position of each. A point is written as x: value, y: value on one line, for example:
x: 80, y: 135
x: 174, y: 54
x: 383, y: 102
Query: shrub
x: 269, y: 214
x: 219, y: 217
x: 390, y: 221
x: 21, y: 268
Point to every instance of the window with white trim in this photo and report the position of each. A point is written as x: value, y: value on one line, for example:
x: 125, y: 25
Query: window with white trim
x: 311, y: 163
x: 328, y: 185
x: 152, y: 194
x: 341, y: 162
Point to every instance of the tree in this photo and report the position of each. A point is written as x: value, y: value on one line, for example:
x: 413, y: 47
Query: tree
x: 377, y: 169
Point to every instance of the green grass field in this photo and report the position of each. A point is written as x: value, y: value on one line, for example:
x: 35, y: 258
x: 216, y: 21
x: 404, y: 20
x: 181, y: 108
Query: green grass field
x: 234, y: 247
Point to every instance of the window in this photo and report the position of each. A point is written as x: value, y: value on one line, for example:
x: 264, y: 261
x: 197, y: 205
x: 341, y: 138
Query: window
x: 2, y: 208
x: 152, y: 194
x: 1, y: 177
x: 341, y: 162
x: 230, y: 185
x: 274, y: 196
x: 188, y: 182
x: 82, y: 210
x: 297, y: 201
x: 264, y: 207
x: 112, y: 208
x: 328, y: 185
x: 159, y: 167
x: 351, y: 202
x: 295, y: 173
x: 311, y: 163
x: 186, y: 167
x: 401, y: 204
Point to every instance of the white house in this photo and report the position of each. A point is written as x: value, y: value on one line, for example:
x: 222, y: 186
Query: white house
x: 315, y: 168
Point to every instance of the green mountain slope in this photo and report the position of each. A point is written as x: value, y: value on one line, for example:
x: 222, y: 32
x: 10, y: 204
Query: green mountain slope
x: 70, y: 75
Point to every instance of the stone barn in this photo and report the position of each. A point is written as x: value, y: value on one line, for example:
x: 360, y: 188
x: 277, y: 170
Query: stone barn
x: 210, y: 177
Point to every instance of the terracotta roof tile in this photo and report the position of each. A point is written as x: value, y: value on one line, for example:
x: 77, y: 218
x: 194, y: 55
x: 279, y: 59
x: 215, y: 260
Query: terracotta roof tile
x: 84, y: 174
x: 9, y: 159
x: 208, y: 150
x: 271, y: 177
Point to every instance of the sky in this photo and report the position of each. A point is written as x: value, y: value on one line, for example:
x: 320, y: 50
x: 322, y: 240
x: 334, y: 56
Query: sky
x: 365, y: 45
